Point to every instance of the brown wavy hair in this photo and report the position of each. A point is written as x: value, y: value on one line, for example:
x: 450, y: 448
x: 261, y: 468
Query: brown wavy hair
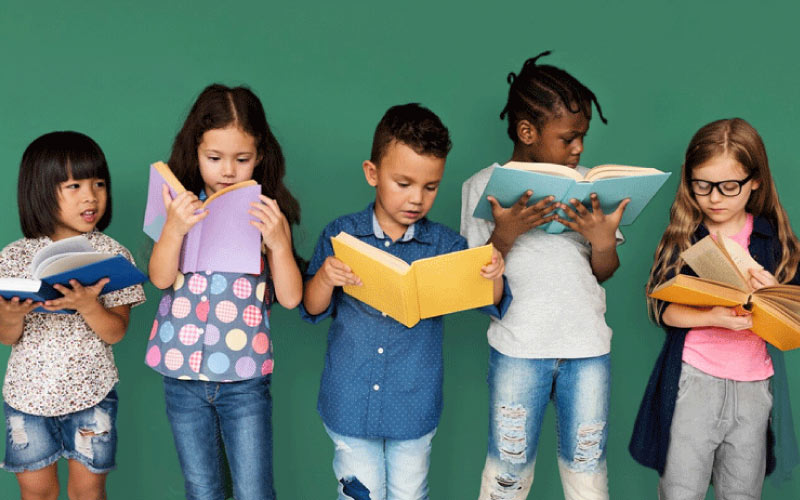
x: 219, y: 106
x: 738, y: 140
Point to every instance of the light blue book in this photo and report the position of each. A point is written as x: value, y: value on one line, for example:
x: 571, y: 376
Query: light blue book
x: 612, y: 183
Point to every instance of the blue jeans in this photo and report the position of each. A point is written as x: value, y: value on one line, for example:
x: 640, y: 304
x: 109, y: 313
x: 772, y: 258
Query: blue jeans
x: 519, y: 391
x: 212, y: 418
x: 381, y: 469
x: 88, y: 436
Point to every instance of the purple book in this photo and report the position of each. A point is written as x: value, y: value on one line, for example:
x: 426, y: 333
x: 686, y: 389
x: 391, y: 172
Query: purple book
x: 224, y: 241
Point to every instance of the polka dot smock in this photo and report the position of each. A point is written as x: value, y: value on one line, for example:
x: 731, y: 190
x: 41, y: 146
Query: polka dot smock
x: 213, y: 327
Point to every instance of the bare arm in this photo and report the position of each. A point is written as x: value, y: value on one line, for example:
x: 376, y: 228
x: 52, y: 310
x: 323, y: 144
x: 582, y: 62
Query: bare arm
x: 599, y: 229
x: 319, y: 289
x: 277, y: 238
x: 682, y: 316
x: 109, y: 324
x: 12, y: 318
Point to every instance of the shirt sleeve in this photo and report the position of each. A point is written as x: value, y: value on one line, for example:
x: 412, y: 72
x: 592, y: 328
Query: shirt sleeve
x: 132, y: 295
x: 322, y: 251
x: 476, y: 231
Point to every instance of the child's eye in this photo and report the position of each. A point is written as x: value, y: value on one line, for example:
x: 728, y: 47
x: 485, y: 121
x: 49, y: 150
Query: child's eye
x: 243, y: 160
x: 100, y: 184
x: 213, y: 158
x: 402, y: 184
x: 432, y: 188
x: 74, y: 185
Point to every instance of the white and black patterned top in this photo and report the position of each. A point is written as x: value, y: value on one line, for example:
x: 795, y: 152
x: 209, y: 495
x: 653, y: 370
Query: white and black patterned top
x: 59, y: 365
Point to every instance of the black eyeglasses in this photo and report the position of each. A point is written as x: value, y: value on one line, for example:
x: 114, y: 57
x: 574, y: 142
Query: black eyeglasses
x: 730, y: 187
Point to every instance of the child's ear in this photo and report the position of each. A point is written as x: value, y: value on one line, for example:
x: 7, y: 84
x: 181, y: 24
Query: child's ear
x: 526, y: 132
x: 370, y: 173
x: 755, y: 185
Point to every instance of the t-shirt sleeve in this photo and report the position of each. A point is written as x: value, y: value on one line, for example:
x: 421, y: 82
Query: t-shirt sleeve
x: 132, y: 295
x: 476, y: 231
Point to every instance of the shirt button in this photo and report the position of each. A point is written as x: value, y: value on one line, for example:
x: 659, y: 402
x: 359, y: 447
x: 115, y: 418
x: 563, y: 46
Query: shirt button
x: 376, y: 387
x: 386, y: 243
x: 380, y: 350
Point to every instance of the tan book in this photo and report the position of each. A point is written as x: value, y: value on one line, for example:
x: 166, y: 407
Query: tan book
x: 423, y: 289
x: 723, y: 269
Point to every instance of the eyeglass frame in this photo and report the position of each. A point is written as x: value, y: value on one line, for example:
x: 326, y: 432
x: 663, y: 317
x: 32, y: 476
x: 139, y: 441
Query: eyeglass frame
x: 716, y: 185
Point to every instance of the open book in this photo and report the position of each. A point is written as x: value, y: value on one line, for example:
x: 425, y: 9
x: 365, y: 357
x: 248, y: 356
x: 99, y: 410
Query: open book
x: 65, y: 260
x: 224, y: 241
x: 612, y: 183
x: 723, y: 266
x: 428, y: 287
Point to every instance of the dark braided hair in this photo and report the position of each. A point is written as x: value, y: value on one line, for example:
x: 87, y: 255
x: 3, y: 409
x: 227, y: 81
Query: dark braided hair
x: 538, y: 90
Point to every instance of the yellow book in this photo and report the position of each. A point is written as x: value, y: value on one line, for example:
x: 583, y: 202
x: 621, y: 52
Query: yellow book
x: 723, y: 265
x: 426, y: 288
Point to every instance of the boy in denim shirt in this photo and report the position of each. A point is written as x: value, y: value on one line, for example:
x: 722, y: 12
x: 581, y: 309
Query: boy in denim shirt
x: 381, y: 392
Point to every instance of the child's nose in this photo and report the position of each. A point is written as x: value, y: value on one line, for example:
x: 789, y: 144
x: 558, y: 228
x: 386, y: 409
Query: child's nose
x: 577, y: 146
x: 416, y: 196
x: 228, y: 168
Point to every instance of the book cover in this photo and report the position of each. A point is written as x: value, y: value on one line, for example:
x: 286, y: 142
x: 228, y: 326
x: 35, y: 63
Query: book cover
x: 722, y: 282
x: 424, y: 289
x: 612, y: 183
x: 87, y: 268
x: 224, y: 241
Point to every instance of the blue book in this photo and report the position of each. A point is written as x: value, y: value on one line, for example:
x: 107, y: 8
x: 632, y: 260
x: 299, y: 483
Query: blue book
x: 68, y: 259
x: 612, y: 183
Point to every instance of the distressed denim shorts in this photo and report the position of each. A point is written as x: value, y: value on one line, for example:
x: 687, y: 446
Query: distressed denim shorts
x: 88, y: 436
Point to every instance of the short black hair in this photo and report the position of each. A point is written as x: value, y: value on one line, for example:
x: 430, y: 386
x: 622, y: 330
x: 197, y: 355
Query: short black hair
x: 47, y: 162
x: 413, y: 125
x: 537, y: 92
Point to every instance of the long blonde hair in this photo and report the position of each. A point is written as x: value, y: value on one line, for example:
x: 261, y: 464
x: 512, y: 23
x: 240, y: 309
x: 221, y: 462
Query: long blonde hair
x: 736, y: 139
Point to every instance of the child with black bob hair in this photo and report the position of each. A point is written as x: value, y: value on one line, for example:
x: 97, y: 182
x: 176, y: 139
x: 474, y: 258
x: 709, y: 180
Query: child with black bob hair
x: 59, y: 391
x: 381, y: 392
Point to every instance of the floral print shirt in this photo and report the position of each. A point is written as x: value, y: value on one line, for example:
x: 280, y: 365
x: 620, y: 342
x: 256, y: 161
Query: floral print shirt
x: 59, y: 365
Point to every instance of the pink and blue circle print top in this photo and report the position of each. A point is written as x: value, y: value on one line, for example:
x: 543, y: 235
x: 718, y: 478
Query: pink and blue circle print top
x: 213, y: 327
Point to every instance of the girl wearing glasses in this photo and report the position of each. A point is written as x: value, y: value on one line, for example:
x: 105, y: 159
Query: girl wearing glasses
x: 716, y: 408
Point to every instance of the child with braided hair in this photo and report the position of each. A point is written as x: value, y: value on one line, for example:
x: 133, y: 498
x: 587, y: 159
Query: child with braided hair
x: 553, y: 343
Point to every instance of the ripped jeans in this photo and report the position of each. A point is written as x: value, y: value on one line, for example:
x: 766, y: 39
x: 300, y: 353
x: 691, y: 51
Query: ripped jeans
x: 88, y: 436
x: 381, y: 469
x: 519, y: 391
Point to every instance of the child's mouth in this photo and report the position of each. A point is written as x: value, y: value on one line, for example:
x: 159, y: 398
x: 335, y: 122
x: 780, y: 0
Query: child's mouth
x: 89, y: 215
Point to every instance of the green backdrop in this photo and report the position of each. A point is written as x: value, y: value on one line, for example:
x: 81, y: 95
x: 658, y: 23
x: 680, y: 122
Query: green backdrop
x: 326, y: 71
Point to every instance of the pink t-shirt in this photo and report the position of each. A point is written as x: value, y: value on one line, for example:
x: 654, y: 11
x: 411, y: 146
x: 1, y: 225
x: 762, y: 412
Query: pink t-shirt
x: 731, y: 354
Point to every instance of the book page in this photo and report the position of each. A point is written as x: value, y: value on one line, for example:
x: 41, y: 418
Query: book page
x: 67, y: 262
x: 546, y: 168
x: 228, y: 189
x: 74, y: 244
x: 611, y: 171
x: 19, y: 285
x: 452, y: 282
x: 709, y: 262
x: 775, y: 324
x: 738, y: 255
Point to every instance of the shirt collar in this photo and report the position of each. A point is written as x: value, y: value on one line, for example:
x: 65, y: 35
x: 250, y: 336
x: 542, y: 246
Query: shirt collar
x: 367, y: 224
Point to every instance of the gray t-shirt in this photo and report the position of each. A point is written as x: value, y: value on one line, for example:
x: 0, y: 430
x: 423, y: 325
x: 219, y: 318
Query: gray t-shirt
x: 558, y: 308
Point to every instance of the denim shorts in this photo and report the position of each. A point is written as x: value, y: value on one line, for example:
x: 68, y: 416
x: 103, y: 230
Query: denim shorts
x: 88, y: 436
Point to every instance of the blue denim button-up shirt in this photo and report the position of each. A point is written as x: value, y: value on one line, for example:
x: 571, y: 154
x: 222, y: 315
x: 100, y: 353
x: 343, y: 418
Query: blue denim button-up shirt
x: 382, y: 379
